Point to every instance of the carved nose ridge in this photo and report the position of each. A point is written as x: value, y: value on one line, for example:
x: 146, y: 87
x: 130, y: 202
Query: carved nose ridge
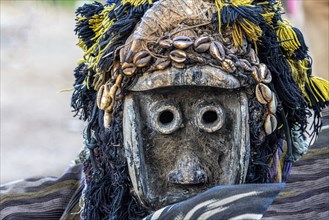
x: 187, y: 172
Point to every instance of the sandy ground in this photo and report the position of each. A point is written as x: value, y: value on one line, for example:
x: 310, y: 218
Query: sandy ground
x: 39, y: 136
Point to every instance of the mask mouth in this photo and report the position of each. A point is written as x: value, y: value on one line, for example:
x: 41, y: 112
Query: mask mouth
x: 187, y: 179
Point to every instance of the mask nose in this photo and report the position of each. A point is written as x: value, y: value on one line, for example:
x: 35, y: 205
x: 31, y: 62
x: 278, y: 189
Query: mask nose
x: 187, y: 171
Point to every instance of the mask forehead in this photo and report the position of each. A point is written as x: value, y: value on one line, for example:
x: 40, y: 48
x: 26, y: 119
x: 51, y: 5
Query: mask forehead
x: 161, y: 155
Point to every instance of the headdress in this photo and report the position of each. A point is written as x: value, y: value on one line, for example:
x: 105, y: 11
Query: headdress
x: 128, y: 44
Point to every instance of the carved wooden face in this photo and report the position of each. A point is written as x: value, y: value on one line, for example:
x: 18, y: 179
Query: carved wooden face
x: 180, y: 141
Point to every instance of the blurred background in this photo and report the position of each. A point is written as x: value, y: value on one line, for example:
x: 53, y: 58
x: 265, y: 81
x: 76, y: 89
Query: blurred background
x: 39, y: 135
x: 312, y: 18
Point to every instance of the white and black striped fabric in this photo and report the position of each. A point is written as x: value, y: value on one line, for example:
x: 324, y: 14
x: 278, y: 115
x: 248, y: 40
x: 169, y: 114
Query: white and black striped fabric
x: 43, y: 198
x: 248, y: 201
x: 306, y: 195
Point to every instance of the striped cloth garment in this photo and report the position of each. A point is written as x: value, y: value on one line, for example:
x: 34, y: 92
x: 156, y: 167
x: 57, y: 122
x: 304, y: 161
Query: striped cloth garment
x: 246, y: 201
x: 305, y: 196
x: 40, y: 198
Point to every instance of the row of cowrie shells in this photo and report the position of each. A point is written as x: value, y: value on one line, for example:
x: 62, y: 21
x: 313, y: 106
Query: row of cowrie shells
x: 106, y: 95
x: 178, y: 56
x: 265, y: 96
x: 202, y: 44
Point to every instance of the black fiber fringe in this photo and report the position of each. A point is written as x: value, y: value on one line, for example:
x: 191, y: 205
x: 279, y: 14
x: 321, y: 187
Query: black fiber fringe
x: 271, y: 54
x: 230, y: 14
x: 126, y: 17
x: 82, y: 29
x: 82, y: 98
x: 302, y: 52
x: 316, y: 106
x: 261, y: 157
x: 108, y: 195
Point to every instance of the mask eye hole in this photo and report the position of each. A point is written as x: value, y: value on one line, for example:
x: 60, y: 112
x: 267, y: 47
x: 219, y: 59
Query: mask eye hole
x: 210, y: 118
x: 166, y: 117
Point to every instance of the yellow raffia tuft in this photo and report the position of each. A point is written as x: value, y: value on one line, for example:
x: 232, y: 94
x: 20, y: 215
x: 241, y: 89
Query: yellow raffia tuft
x: 219, y: 5
x: 288, y: 37
x: 251, y: 30
x: 136, y: 3
x: 241, y: 2
x: 299, y: 73
x: 268, y: 16
x: 81, y: 61
x: 80, y: 43
x: 237, y: 34
x: 320, y: 88
x: 99, y: 23
x: 269, y: 13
